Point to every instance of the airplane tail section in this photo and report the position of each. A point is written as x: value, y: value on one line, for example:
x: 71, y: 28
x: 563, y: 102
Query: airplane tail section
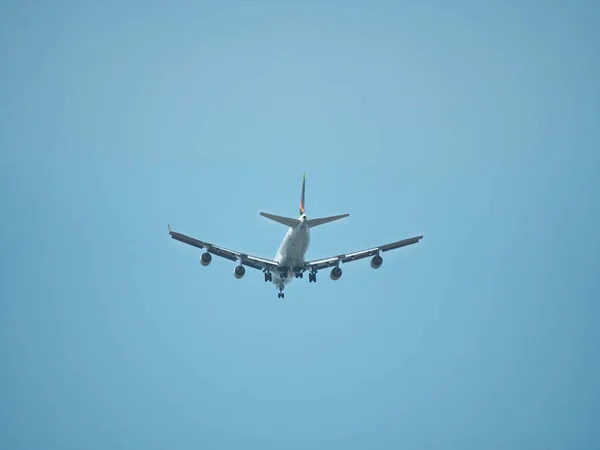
x: 302, y: 195
x: 290, y: 222
x: 320, y: 221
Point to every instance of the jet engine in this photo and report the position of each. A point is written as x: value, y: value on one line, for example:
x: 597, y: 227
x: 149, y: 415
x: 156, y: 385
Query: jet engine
x: 205, y: 259
x: 376, y: 262
x: 239, y: 272
x: 336, y: 273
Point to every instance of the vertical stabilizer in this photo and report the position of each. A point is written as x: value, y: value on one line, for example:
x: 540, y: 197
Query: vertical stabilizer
x: 302, y: 195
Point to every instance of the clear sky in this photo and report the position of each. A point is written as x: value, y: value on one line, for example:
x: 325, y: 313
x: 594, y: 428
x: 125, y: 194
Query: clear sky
x: 475, y: 125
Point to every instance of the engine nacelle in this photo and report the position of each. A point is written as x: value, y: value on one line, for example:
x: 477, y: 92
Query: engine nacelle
x: 239, y: 272
x: 205, y: 259
x: 336, y: 273
x: 376, y: 262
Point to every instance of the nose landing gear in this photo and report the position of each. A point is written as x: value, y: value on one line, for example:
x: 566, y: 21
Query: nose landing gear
x: 280, y: 294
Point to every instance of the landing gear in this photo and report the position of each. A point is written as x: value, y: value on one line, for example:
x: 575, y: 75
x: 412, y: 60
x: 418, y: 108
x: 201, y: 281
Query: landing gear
x: 312, y: 277
x: 280, y: 294
x: 268, y: 276
x: 299, y: 274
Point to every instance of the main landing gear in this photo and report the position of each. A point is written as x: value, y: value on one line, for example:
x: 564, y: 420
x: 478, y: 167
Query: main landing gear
x: 312, y: 277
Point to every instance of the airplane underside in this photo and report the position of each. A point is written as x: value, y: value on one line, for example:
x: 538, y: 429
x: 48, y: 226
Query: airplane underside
x: 290, y: 257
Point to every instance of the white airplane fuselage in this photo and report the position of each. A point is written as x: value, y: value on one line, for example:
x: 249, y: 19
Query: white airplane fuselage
x: 292, y: 250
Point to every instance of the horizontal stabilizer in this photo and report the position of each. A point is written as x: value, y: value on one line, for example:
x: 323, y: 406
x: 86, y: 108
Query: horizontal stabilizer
x: 314, y: 222
x: 290, y: 222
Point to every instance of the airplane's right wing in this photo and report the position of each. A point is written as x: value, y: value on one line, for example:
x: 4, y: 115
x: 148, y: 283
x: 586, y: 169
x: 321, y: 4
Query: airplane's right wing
x: 323, y: 263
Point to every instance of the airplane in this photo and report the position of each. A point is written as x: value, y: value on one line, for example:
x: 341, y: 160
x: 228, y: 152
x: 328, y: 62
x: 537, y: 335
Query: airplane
x: 289, y: 261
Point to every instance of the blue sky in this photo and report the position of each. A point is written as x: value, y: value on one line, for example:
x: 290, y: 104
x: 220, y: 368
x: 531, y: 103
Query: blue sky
x: 477, y: 126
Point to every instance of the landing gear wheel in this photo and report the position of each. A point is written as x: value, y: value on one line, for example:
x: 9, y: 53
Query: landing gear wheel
x: 268, y: 277
x: 280, y: 294
x: 312, y: 277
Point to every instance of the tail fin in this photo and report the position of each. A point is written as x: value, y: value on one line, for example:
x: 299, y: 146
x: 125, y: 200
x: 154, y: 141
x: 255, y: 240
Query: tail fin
x: 310, y: 222
x: 315, y: 222
x: 302, y: 196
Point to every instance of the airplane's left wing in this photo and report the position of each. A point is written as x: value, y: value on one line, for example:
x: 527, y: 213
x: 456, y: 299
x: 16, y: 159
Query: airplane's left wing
x: 247, y: 260
x: 319, y: 264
